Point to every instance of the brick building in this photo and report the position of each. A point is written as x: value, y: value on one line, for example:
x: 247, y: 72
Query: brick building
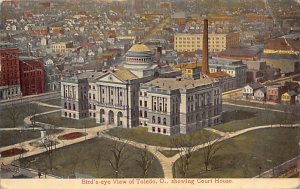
x: 32, y: 76
x: 9, y: 73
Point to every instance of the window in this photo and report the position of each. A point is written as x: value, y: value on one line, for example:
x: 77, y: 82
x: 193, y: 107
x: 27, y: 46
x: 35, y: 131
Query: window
x: 141, y: 113
x: 141, y: 94
x: 153, y: 129
x: 158, y: 120
x: 141, y: 103
x: 94, y: 107
x: 94, y: 114
x: 158, y: 130
x: 74, y: 107
x: 153, y: 119
x: 164, y: 131
x: 145, y: 114
x: 66, y: 114
x: 65, y: 105
x: 154, y: 106
x: 74, y: 115
x: 112, y: 92
x: 145, y: 103
x: 112, y: 101
x: 69, y: 114
x: 165, y: 121
x: 121, y: 93
x: 94, y: 96
x: 145, y: 93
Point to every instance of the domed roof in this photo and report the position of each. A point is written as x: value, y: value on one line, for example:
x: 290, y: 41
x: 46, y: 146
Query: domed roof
x: 139, y: 48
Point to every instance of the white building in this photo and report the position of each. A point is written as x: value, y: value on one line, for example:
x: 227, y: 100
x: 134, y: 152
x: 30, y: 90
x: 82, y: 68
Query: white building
x: 113, y: 97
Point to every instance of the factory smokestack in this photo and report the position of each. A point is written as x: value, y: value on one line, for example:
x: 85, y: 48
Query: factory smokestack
x: 205, y: 69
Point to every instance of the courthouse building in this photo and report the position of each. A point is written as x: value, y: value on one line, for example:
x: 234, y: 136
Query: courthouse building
x: 118, y: 96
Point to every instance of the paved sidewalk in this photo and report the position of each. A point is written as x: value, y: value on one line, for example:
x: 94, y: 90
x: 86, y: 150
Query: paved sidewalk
x: 45, y: 104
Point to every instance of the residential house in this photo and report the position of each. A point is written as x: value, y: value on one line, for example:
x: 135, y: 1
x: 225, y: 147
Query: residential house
x: 289, y: 97
x: 274, y: 92
x: 260, y: 94
x: 248, y: 90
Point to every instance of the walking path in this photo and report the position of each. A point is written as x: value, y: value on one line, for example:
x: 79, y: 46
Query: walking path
x: 27, y: 120
x: 221, y: 133
x: 166, y: 162
x: 47, y: 105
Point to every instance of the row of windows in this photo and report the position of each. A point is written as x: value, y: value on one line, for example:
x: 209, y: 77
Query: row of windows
x: 198, y: 46
x: 160, y: 107
x: 112, y: 101
x: 159, y: 130
x: 112, y: 92
x: 159, y: 121
x: 90, y: 96
x: 198, y: 38
x: 145, y: 103
x: 70, y: 115
x: 145, y: 114
x: 198, y: 42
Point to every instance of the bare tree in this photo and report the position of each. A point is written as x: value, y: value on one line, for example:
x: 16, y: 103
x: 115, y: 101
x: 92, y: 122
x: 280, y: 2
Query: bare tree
x: 212, y: 147
x: 32, y: 111
x: 50, y: 140
x: 145, y: 161
x: 119, y: 153
x: 185, y: 146
x: 13, y: 114
x: 97, y: 162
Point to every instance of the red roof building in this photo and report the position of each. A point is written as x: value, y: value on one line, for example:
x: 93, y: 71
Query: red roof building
x: 9, y: 67
x: 32, y: 76
x: 9, y: 73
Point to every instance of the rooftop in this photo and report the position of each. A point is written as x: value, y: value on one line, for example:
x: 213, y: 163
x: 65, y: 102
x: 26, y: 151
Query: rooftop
x: 139, y: 48
x: 124, y: 74
x: 173, y: 83
x: 189, y: 65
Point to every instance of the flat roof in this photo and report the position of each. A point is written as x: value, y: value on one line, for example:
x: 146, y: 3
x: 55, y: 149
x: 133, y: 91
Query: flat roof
x: 173, y: 83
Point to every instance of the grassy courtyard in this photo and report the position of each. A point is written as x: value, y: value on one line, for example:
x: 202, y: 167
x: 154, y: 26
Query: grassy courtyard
x: 242, y: 156
x: 15, y: 137
x: 18, y: 113
x: 83, y: 158
x: 56, y: 119
x: 140, y: 134
x: 237, y: 118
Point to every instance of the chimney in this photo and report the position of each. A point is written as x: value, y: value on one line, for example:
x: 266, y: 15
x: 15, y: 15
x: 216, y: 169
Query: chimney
x: 205, y: 69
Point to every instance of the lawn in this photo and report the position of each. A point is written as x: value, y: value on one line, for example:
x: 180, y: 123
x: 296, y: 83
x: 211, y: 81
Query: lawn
x: 140, y: 134
x: 242, y: 156
x: 82, y: 158
x: 237, y: 118
x: 56, y: 119
x: 14, y: 137
x: 169, y: 153
x: 18, y: 113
